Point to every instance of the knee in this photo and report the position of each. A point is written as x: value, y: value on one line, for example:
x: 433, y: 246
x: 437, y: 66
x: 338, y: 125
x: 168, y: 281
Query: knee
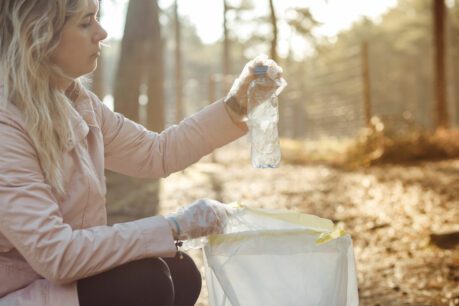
x: 158, y: 272
x: 155, y: 273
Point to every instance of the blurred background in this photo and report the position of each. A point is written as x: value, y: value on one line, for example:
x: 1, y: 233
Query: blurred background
x: 344, y: 62
x: 368, y: 121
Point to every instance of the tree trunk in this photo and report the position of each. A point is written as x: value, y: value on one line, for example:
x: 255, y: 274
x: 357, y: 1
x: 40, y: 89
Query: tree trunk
x: 274, y: 27
x: 366, y: 83
x: 140, y: 62
x: 178, y: 67
x: 155, y: 77
x: 226, y: 71
x: 132, y: 60
x: 226, y: 49
x: 455, y: 66
x: 441, y: 107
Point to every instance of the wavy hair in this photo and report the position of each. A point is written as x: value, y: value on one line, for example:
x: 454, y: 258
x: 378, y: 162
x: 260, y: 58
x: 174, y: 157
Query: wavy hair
x: 30, y: 31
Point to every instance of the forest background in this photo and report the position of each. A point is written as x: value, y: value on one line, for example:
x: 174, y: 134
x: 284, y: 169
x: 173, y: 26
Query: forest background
x: 383, y: 92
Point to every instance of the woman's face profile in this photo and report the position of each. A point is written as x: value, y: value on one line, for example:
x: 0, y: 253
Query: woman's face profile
x: 79, y: 45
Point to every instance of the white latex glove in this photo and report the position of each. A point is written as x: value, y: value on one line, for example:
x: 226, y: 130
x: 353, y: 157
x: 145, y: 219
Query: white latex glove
x: 237, y: 98
x: 201, y: 218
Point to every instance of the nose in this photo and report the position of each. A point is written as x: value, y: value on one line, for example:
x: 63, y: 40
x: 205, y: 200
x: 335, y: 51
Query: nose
x: 100, y: 35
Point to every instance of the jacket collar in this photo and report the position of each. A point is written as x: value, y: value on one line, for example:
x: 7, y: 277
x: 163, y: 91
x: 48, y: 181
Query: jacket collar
x: 82, y: 118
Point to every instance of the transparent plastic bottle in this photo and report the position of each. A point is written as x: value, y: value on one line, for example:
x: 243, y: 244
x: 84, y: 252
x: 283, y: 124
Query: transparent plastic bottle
x: 262, y: 119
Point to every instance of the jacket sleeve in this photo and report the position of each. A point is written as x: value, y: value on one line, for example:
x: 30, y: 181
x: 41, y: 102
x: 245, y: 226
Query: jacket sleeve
x: 30, y: 218
x: 132, y: 150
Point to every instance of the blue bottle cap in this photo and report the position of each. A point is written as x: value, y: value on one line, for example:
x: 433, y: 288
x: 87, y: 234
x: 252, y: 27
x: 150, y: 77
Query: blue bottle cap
x: 261, y: 70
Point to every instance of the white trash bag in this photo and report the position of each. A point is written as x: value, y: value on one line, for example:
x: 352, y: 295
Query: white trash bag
x: 279, y: 258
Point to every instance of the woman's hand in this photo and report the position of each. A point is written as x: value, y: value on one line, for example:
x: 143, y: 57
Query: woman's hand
x: 237, y: 99
x: 201, y: 218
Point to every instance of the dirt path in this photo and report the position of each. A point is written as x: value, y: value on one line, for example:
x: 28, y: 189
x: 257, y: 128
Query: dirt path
x: 390, y: 212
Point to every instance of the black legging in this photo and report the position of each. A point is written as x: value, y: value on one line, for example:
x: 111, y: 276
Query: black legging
x: 147, y: 282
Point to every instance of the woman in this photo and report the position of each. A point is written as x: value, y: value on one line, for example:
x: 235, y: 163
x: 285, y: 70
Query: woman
x: 56, y: 139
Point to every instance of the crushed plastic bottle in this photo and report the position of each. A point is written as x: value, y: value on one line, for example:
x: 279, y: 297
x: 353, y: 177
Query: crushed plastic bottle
x: 262, y: 119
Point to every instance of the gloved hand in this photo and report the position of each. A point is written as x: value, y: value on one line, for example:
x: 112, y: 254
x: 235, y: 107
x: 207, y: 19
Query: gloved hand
x: 200, y: 218
x: 237, y: 98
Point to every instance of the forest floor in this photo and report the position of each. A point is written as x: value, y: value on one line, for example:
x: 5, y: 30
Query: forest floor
x: 397, y: 215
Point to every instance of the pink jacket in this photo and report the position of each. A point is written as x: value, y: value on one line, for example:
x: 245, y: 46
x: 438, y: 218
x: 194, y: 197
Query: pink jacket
x: 48, y: 242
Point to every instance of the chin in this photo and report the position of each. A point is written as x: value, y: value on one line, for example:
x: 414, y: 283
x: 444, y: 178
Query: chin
x: 89, y: 70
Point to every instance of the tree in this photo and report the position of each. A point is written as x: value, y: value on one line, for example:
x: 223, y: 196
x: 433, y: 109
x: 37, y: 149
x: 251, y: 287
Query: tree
x: 273, y: 20
x: 140, y: 65
x: 454, y: 39
x: 155, y: 75
x: 131, y: 64
x: 178, y: 66
x: 441, y: 107
x: 226, y: 41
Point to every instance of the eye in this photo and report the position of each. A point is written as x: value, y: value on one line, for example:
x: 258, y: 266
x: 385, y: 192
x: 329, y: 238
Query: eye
x: 86, y: 23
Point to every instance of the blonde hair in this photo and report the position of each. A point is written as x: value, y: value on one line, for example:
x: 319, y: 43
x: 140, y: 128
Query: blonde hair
x: 29, y: 32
